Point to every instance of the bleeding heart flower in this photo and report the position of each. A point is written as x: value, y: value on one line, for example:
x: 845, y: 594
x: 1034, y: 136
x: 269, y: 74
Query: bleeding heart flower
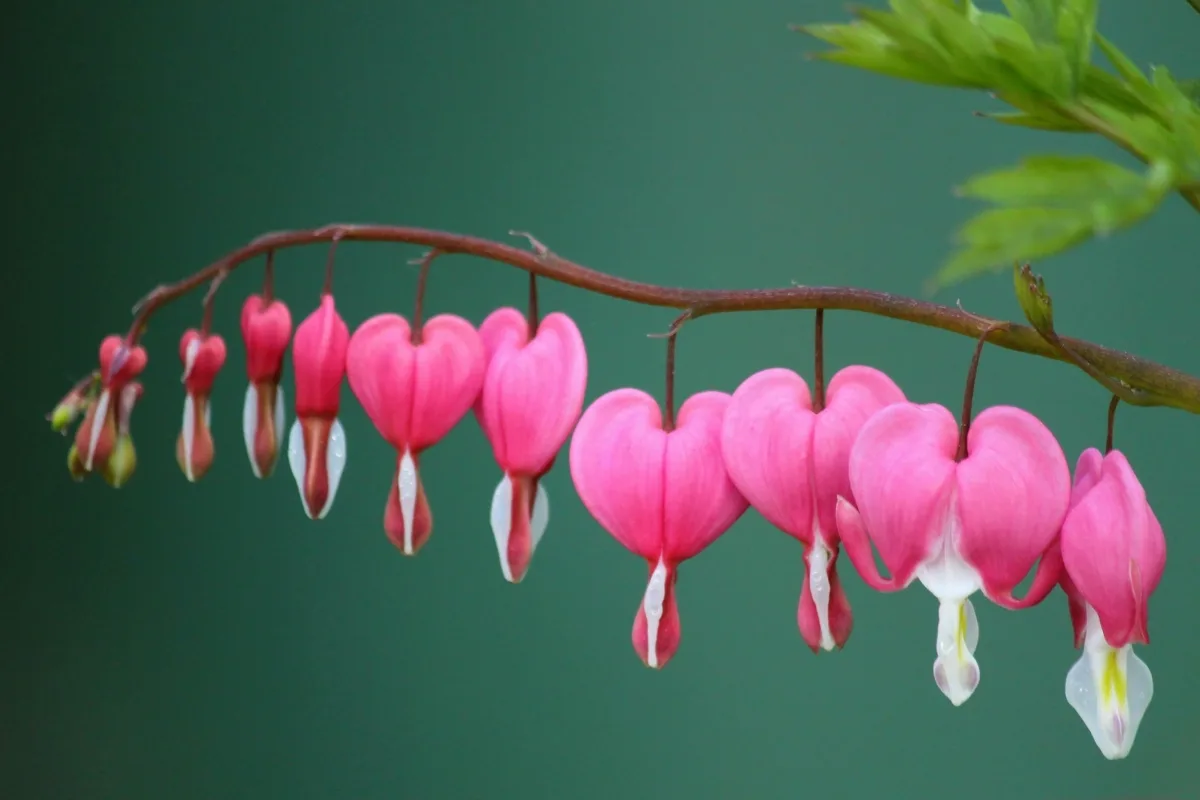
x: 1114, y: 554
x: 414, y: 394
x: 664, y: 495
x: 958, y: 527
x: 202, y: 356
x: 792, y: 464
x: 532, y: 396
x: 96, y: 437
x: 317, y: 442
x: 266, y: 330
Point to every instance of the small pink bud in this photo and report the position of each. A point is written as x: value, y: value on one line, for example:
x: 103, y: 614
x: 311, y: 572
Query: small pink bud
x: 317, y: 442
x: 414, y: 394
x: 665, y: 496
x: 202, y: 356
x: 957, y: 526
x: 531, y: 399
x: 792, y: 464
x: 266, y: 331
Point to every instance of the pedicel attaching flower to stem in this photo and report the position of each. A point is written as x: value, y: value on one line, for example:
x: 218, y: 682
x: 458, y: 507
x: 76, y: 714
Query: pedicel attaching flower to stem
x: 532, y: 397
x: 788, y: 453
x: 961, y: 508
x: 415, y: 383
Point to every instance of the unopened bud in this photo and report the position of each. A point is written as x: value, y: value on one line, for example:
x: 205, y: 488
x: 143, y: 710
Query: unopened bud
x: 122, y: 463
x: 75, y: 464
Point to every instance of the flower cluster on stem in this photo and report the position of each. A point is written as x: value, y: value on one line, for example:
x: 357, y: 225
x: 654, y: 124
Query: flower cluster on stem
x: 968, y: 506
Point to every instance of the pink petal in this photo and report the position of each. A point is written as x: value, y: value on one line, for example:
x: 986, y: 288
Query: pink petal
x: 766, y: 447
x: 379, y: 365
x: 1114, y: 551
x: 415, y: 395
x: 901, y: 473
x: 533, y: 390
x: 701, y: 501
x: 447, y: 378
x: 319, y: 358
x: 854, y: 395
x: 617, y: 456
x: 1013, y: 490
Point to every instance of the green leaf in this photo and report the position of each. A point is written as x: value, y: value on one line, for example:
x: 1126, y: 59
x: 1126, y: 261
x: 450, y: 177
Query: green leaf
x: 1048, y: 204
x: 1000, y: 236
x: 1191, y: 87
x: 1076, y: 30
x: 1056, y: 181
x: 1122, y: 63
x: 1024, y: 119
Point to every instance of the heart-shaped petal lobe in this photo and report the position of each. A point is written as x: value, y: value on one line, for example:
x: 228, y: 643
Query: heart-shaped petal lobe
x: 1013, y: 490
x: 266, y: 330
x: 533, y: 390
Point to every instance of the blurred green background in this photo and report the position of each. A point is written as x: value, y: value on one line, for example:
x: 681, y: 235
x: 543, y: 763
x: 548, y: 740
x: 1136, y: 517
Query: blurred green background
x: 209, y: 641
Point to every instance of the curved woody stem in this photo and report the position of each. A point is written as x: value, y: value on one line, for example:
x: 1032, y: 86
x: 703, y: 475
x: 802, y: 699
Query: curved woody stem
x: 1160, y: 385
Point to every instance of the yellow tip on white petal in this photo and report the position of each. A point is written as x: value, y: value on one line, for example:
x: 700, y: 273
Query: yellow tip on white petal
x: 1110, y: 689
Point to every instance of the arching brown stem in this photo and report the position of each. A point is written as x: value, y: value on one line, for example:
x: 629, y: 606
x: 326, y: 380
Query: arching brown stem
x: 1163, y: 385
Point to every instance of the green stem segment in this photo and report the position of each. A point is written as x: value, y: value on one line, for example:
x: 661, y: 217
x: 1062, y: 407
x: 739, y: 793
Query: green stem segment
x: 1162, y: 385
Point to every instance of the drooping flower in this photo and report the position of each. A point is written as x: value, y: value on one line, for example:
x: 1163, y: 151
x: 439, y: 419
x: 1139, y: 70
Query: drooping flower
x: 414, y: 394
x: 957, y: 526
x: 1113, y: 553
x: 119, y: 467
x: 317, y: 442
x: 96, y: 439
x: 792, y: 464
x: 664, y: 495
x: 266, y: 330
x: 532, y: 396
x: 202, y: 355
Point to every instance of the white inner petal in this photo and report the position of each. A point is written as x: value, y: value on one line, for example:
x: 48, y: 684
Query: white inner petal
x: 335, y: 462
x: 1110, y: 689
x: 189, y: 358
x: 189, y: 435
x: 406, y: 483
x: 818, y: 584
x: 97, y: 426
x: 652, y: 606
x: 502, y: 522
x: 955, y: 670
x: 280, y: 421
x: 540, y: 518
x: 250, y: 425
x: 296, y: 460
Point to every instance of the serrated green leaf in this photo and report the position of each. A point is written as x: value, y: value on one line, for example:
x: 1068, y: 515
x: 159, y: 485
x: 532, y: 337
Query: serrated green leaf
x: 1179, y: 106
x: 890, y: 65
x: 1000, y: 27
x: 1191, y: 88
x: 1076, y: 30
x: 1122, y: 63
x: 1057, y: 181
x: 1145, y: 134
x: 1111, y: 90
x: 1024, y: 119
x: 997, y: 237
